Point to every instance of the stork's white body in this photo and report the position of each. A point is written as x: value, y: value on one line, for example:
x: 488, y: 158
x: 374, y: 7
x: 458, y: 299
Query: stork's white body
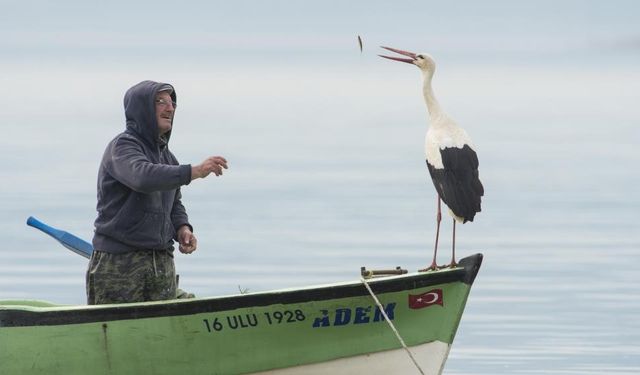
x: 443, y: 133
x: 456, y: 181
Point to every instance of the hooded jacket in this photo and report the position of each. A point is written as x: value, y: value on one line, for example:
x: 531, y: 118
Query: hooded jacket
x: 139, y: 201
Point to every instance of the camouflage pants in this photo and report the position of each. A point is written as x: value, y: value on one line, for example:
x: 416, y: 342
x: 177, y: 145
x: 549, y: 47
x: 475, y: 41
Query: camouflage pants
x: 137, y: 276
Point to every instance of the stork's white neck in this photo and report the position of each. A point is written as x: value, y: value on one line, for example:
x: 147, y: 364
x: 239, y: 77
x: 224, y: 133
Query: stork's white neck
x: 435, y: 111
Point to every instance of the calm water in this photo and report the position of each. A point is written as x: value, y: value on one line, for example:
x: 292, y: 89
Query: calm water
x: 327, y: 175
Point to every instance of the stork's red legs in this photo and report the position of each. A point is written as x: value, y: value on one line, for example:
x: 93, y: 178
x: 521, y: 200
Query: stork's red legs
x: 453, y: 247
x: 434, y: 265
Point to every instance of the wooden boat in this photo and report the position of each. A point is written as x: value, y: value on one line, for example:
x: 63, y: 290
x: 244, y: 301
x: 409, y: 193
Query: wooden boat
x: 329, y: 329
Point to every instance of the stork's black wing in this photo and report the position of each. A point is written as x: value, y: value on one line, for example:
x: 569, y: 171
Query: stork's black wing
x: 458, y: 183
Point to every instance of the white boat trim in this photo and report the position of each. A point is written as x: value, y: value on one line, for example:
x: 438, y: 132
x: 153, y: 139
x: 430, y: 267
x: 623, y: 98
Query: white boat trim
x: 430, y: 356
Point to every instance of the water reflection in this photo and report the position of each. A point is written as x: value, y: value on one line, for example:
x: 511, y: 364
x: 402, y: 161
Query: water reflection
x: 311, y: 200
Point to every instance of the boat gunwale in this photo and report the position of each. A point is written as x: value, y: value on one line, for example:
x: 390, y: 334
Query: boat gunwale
x: 23, y: 315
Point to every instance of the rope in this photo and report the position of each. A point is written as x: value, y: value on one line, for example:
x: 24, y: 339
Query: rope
x: 393, y: 328
x: 155, y: 269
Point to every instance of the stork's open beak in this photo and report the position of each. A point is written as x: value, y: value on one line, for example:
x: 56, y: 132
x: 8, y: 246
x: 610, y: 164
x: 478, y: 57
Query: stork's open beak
x: 405, y: 53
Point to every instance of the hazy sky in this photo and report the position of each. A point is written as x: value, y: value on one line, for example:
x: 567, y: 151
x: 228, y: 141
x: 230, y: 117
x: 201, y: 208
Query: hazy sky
x: 152, y: 29
x: 70, y: 62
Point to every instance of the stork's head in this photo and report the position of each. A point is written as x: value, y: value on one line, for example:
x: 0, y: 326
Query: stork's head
x: 422, y: 60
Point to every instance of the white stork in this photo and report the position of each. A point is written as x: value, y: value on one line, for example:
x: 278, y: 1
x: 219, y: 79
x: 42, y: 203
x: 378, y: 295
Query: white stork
x: 451, y: 159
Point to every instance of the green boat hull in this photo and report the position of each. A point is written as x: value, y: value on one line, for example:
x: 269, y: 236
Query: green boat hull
x: 299, y: 329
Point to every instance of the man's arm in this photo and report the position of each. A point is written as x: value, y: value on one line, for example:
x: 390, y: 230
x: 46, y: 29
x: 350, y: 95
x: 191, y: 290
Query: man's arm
x: 129, y: 165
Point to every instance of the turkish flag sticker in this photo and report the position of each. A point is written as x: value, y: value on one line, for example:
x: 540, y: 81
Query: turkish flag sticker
x: 426, y: 299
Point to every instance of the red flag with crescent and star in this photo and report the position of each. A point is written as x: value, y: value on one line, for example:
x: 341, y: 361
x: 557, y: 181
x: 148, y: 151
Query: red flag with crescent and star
x: 426, y: 299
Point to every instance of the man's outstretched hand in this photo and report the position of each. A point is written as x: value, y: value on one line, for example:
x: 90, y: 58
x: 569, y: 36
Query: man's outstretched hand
x: 213, y: 164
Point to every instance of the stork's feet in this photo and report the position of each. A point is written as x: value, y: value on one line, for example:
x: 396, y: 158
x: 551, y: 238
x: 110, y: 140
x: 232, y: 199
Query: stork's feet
x: 433, y: 267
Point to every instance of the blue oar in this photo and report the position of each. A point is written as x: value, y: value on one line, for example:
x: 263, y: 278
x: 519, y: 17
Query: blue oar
x: 79, y: 246
x: 68, y: 240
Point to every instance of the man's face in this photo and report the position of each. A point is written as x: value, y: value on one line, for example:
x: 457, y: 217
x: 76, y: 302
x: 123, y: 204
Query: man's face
x: 164, y: 111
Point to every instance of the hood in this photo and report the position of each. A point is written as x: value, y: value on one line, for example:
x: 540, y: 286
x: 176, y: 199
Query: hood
x: 140, y: 110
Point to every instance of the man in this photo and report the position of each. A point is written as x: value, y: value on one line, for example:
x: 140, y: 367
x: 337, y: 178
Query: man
x: 140, y: 212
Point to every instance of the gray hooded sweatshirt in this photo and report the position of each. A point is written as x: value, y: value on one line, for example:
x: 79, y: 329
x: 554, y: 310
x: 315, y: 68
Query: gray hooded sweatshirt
x: 139, y: 181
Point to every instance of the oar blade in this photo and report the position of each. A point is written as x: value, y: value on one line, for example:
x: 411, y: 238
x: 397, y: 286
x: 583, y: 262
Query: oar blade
x: 68, y: 240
